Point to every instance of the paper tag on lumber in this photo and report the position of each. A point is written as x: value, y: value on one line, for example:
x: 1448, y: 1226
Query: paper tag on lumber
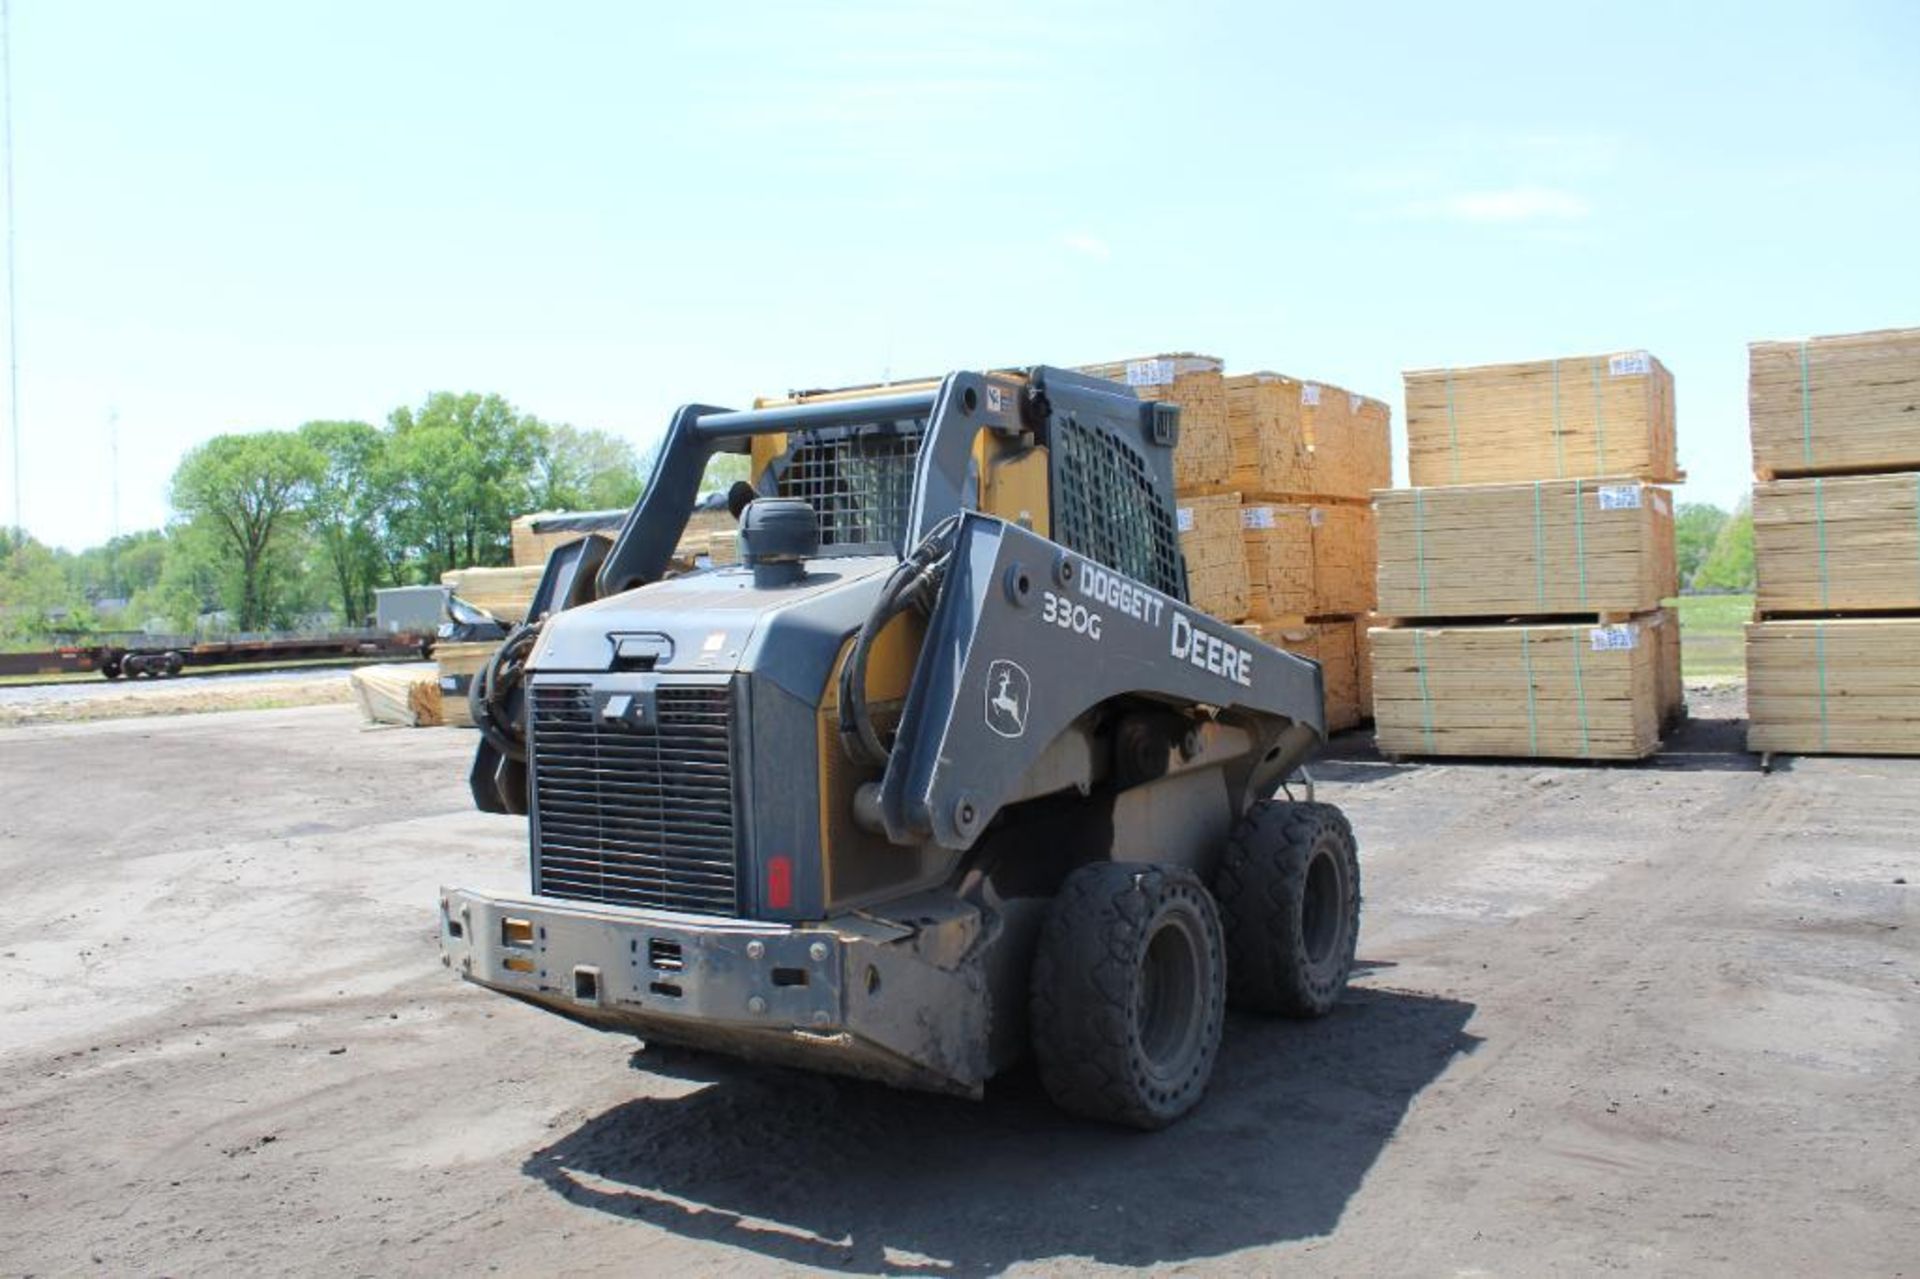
x: 1309, y: 393
x: 1619, y: 497
x: 1629, y: 365
x: 1607, y: 639
x: 1184, y: 517
x: 1257, y: 517
x: 1149, y: 372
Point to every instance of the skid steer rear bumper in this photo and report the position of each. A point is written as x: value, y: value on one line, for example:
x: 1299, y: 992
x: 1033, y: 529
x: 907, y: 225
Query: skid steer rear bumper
x: 853, y: 995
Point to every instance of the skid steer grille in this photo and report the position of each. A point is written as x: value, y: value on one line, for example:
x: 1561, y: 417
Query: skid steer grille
x: 859, y: 485
x: 635, y: 817
x: 1106, y: 507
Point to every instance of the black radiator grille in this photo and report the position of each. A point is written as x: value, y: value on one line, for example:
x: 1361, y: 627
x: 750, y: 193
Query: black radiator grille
x: 635, y: 817
x: 1106, y: 507
x: 859, y: 485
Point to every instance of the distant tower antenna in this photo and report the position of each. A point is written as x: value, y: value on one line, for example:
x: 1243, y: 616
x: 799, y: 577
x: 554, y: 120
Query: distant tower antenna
x: 13, y: 310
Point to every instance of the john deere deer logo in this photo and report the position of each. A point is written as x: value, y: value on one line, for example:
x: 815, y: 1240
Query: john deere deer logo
x: 1009, y: 693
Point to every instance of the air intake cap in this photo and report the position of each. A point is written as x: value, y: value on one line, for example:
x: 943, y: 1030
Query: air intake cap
x: 777, y: 537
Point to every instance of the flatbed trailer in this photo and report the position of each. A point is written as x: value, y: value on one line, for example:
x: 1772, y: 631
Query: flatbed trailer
x: 159, y: 660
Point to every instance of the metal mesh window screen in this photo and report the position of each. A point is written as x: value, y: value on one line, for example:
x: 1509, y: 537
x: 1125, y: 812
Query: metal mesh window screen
x: 1106, y: 507
x: 859, y: 485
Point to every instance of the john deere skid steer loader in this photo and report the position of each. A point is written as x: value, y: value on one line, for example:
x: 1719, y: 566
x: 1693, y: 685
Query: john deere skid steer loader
x: 944, y: 771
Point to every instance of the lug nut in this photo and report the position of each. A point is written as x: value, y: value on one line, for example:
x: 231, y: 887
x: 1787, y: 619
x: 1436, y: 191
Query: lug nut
x: 756, y: 949
x: 819, y: 952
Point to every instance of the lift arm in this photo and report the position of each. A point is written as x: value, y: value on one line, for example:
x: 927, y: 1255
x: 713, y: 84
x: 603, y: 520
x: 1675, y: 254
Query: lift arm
x: 1028, y: 636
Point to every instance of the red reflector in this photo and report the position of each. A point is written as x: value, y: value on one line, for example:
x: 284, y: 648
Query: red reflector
x: 780, y: 882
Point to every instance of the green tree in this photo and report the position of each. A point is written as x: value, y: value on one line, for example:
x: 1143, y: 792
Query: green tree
x: 1729, y: 565
x: 345, y: 511
x: 581, y: 469
x: 455, y: 472
x: 1696, y: 527
x: 251, y: 489
x: 36, y: 596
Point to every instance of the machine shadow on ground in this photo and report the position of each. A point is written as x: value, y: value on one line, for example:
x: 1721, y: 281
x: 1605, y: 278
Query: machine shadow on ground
x: 807, y: 1169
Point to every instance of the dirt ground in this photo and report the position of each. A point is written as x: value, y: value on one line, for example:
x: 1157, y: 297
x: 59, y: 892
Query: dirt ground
x: 1654, y: 1019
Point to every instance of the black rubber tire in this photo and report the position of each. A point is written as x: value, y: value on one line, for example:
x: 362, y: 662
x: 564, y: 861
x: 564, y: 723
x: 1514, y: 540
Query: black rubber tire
x: 1289, y: 892
x: 1129, y: 993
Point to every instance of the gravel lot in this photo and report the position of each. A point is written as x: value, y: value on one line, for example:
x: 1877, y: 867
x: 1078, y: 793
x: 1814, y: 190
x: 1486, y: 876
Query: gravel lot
x: 1655, y: 1019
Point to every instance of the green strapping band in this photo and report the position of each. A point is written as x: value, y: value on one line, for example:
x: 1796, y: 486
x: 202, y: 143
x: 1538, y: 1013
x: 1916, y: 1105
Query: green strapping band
x: 1539, y: 550
x: 1820, y: 660
x: 1453, y: 429
x: 1526, y: 662
x: 1806, y: 408
x: 1559, y: 442
x: 1599, y: 419
x: 1820, y: 526
x: 1420, y: 541
x: 1580, y: 691
x: 1580, y: 538
x: 1426, y: 696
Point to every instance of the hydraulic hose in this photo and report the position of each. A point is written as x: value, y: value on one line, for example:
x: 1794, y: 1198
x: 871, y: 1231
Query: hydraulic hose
x: 914, y: 584
x: 488, y: 696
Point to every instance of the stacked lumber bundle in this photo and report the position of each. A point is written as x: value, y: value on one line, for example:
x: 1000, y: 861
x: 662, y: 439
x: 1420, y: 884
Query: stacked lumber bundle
x: 1337, y: 646
x: 1820, y: 406
x: 1305, y: 439
x: 1273, y: 476
x: 457, y: 664
x: 1589, y: 417
x: 1197, y: 385
x: 1836, y: 530
x: 406, y: 694
x: 1554, y: 690
x: 1837, y: 543
x: 1847, y: 685
x: 507, y: 593
x: 1523, y: 574
x: 1216, y: 556
x: 1545, y: 548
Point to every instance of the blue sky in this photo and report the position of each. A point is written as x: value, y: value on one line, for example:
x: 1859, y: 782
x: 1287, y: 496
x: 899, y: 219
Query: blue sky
x: 243, y: 215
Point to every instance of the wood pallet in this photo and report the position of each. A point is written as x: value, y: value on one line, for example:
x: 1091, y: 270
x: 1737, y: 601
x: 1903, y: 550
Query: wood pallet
x: 1290, y: 437
x: 1551, y: 547
x: 1828, y: 405
x: 1552, y: 691
x: 1588, y: 417
x: 1848, y: 686
x: 1203, y: 457
x: 1837, y: 543
x: 1335, y: 643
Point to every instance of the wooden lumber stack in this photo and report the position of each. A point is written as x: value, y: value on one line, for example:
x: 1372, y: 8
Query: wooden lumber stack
x: 1216, y: 555
x: 1197, y: 385
x: 1822, y: 406
x: 1522, y: 577
x: 1844, y: 685
x: 1833, y: 655
x: 457, y: 664
x: 1837, y: 543
x: 1589, y: 417
x: 1333, y: 645
x: 406, y: 694
x: 1274, y: 475
x: 1293, y: 439
x: 507, y: 593
x: 1554, y: 690
x: 1545, y: 548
